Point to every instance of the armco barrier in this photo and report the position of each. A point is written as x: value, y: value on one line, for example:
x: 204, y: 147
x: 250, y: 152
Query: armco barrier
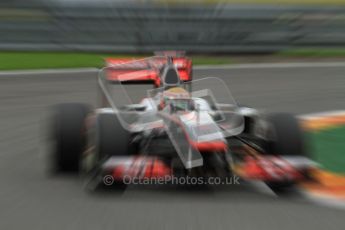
x: 147, y: 27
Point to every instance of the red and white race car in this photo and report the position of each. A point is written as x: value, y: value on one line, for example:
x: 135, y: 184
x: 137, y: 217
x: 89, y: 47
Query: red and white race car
x: 178, y: 128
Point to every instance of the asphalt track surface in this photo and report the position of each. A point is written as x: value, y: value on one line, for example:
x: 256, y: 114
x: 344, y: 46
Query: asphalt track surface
x: 29, y: 199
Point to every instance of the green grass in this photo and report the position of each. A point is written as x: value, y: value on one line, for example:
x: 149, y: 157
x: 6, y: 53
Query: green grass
x: 328, y: 147
x: 46, y: 60
x: 312, y: 53
x: 278, y: 2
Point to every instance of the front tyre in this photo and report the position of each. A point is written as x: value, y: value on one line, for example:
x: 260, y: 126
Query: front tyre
x: 68, y: 136
x: 112, y: 140
x: 287, y: 135
x: 287, y: 140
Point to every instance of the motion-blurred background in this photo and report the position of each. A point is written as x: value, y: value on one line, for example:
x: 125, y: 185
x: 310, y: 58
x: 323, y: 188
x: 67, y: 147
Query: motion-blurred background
x: 199, y: 26
x: 306, y: 37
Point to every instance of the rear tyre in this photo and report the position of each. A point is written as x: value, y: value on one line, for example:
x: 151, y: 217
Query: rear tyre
x: 68, y: 136
x: 287, y: 141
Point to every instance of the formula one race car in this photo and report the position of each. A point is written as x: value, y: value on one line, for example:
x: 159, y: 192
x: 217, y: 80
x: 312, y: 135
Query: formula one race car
x: 180, y: 127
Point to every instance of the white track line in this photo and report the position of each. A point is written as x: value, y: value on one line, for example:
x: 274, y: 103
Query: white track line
x: 324, y: 200
x: 272, y: 65
x: 47, y: 71
x: 202, y: 67
x: 318, y: 115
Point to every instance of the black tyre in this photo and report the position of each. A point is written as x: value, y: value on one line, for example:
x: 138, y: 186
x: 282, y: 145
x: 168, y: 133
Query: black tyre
x: 287, y: 135
x: 68, y: 136
x: 111, y: 138
x: 287, y: 141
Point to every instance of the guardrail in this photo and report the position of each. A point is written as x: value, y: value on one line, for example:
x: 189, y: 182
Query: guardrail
x: 143, y: 28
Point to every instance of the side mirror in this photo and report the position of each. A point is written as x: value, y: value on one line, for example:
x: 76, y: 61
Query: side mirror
x: 135, y: 107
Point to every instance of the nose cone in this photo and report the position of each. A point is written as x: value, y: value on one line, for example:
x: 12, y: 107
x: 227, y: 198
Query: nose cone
x: 210, y: 146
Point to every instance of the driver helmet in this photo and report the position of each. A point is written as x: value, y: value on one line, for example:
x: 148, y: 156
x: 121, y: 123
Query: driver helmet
x: 178, y: 97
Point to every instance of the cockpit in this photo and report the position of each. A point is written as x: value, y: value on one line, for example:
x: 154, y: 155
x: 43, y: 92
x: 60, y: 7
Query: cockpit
x: 181, y: 104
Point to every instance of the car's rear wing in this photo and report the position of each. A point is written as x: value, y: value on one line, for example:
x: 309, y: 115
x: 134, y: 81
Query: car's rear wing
x: 145, y: 71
